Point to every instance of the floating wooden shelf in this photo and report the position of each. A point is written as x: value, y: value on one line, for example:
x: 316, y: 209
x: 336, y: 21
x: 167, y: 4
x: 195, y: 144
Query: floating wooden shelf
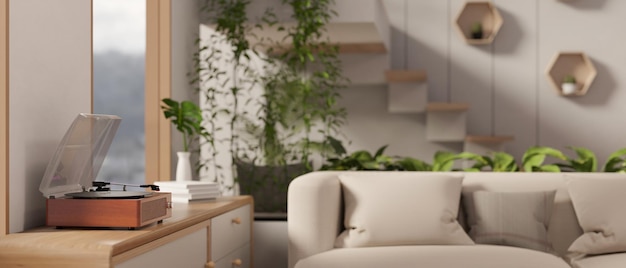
x: 576, y: 64
x: 446, y: 107
x: 405, y: 76
x: 351, y: 37
x: 485, y: 13
x: 488, y: 139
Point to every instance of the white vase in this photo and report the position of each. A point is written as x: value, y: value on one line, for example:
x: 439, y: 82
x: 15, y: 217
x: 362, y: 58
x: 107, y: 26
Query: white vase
x: 569, y: 88
x: 183, y: 168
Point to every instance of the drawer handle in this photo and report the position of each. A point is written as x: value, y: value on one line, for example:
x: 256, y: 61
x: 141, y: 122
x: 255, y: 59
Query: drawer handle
x: 237, y: 262
x: 210, y: 265
x: 236, y: 220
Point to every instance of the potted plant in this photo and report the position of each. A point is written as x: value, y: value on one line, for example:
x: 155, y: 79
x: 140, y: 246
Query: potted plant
x: 274, y: 144
x: 300, y: 100
x: 187, y: 117
x: 569, y: 85
x: 477, y: 30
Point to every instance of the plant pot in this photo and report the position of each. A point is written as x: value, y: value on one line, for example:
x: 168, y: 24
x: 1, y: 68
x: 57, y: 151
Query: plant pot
x: 569, y: 88
x: 183, y: 167
x: 267, y: 184
x: 477, y: 35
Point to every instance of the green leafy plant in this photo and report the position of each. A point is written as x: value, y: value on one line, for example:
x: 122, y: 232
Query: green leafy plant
x: 361, y: 160
x: 298, y: 88
x: 498, y: 162
x: 616, y: 162
x: 224, y: 79
x: 586, y: 161
x: 533, y: 159
x: 313, y: 62
x: 187, y: 117
x: 364, y: 160
x: 569, y: 79
x: 477, y: 27
x: 476, y: 30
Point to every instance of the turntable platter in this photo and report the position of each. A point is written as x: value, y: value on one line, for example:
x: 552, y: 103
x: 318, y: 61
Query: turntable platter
x: 109, y: 195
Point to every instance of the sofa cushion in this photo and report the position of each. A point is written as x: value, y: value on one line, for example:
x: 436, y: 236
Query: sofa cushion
x: 601, y: 261
x: 518, y: 219
x: 403, y: 209
x: 467, y: 256
x: 599, y: 205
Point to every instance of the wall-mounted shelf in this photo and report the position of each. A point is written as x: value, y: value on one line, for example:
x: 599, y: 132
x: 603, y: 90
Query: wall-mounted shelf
x: 407, y: 91
x: 351, y: 37
x: 485, y: 13
x: 576, y: 64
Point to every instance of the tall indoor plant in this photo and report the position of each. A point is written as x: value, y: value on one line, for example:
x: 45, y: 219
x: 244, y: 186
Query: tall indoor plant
x: 300, y: 100
x: 270, y: 139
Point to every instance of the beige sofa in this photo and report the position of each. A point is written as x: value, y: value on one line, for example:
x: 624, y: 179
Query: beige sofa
x: 317, y: 220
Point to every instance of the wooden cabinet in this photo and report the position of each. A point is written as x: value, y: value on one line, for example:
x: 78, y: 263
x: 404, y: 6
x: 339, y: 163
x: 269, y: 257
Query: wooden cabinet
x: 214, y: 233
x: 190, y: 252
x: 231, y: 231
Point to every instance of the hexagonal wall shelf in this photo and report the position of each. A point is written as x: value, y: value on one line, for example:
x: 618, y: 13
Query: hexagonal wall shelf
x: 576, y: 64
x: 485, y: 13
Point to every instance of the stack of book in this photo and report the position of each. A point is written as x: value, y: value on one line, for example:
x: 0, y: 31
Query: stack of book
x: 189, y: 190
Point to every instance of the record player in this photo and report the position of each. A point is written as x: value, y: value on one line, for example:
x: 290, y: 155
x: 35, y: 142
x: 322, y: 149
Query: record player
x: 75, y: 200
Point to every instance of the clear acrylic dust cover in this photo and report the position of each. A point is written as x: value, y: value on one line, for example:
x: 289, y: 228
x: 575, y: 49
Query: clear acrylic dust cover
x: 79, y: 155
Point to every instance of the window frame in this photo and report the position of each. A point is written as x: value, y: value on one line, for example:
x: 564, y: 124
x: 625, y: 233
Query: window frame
x: 4, y: 118
x: 157, y: 87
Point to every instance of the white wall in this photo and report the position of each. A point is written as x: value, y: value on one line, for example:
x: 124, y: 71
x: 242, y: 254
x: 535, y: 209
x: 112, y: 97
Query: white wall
x: 185, y: 21
x: 504, y: 82
x: 49, y: 84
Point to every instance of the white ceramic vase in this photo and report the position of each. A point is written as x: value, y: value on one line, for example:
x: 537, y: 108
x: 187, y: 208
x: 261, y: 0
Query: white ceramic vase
x: 569, y: 88
x: 183, y: 167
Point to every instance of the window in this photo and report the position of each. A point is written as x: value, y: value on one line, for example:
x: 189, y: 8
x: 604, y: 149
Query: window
x: 119, y: 56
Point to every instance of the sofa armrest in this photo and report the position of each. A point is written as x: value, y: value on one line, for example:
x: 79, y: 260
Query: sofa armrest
x: 314, y: 214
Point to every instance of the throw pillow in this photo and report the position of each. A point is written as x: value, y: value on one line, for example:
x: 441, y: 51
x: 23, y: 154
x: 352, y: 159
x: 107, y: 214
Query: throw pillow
x: 403, y: 209
x: 599, y: 205
x: 518, y: 219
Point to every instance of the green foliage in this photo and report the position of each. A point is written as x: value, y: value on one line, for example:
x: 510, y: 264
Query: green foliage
x: 223, y: 78
x: 361, y: 160
x: 534, y: 157
x: 313, y: 64
x: 498, y: 162
x: 586, y: 161
x: 532, y: 161
x: 300, y: 85
x: 616, y: 162
x: 569, y: 79
x: 477, y: 27
x: 364, y: 160
x: 187, y: 117
x: 231, y: 20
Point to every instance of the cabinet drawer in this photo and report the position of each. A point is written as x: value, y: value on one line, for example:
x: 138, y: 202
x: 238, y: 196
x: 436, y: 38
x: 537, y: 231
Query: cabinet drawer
x: 186, y: 251
x: 230, y: 231
x: 240, y: 258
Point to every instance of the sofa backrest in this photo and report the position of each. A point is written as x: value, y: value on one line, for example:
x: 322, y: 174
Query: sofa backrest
x: 563, y: 228
x: 323, y: 189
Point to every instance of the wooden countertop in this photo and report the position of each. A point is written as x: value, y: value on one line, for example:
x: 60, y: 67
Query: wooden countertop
x: 97, y: 247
